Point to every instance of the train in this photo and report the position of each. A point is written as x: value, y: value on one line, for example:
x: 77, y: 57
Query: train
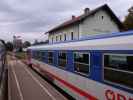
x: 99, y: 67
x: 2, y: 60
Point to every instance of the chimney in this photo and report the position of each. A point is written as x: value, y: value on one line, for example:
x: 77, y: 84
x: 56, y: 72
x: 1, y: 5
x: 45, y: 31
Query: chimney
x: 86, y: 10
x: 73, y: 17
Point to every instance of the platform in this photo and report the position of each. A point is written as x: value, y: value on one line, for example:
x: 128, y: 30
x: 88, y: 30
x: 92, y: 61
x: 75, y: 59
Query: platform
x: 25, y: 84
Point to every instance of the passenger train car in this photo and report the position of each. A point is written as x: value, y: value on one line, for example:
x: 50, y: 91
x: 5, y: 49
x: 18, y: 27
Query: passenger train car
x: 2, y: 59
x: 99, y: 67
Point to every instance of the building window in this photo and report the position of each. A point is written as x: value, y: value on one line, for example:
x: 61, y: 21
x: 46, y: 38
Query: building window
x: 81, y: 62
x: 118, y: 68
x: 71, y: 35
x: 102, y: 17
x: 52, y: 39
x: 60, y: 37
x: 56, y: 38
x: 62, y: 59
x: 50, y: 57
x: 64, y: 37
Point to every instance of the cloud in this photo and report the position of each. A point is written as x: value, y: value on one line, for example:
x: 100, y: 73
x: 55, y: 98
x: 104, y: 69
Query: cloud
x: 38, y: 16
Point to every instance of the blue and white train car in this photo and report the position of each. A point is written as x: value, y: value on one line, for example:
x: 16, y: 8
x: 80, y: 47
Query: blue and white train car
x: 2, y: 61
x: 97, y: 68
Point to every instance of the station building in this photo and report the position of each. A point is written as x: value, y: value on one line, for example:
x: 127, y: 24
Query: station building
x: 92, y: 22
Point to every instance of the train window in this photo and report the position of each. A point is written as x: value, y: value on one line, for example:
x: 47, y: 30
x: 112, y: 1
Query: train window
x: 35, y: 55
x: 50, y: 57
x: 118, y: 68
x: 43, y: 57
x: 62, y: 59
x: 39, y: 55
x: 81, y: 62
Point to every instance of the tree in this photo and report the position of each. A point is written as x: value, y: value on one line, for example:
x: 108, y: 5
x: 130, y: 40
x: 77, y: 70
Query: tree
x: 26, y: 44
x: 128, y: 22
x: 35, y: 42
x: 9, y: 46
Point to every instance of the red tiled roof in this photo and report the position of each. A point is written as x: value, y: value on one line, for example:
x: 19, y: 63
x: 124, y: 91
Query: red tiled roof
x: 83, y: 16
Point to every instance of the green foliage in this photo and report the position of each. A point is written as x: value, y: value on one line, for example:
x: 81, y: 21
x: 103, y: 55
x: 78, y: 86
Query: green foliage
x: 26, y: 44
x: 128, y: 22
x: 21, y: 55
x: 9, y: 46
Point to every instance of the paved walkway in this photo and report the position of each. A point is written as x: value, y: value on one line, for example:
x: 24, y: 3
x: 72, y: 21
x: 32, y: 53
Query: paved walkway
x: 25, y: 84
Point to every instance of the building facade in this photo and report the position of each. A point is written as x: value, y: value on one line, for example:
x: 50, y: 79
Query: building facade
x: 17, y: 43
x: 98, y: 21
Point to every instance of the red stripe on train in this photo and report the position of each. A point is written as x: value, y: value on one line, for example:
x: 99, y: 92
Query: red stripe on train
x: 72, y: 87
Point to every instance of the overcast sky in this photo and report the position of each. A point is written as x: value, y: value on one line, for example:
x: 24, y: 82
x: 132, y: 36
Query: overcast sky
x: 31, y: 18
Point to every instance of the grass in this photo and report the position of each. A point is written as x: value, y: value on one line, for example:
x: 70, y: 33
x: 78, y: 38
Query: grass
x: 21, y: 55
